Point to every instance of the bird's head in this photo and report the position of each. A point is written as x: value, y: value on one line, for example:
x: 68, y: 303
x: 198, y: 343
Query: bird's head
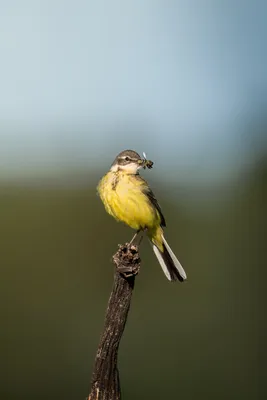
x: 130, y: 162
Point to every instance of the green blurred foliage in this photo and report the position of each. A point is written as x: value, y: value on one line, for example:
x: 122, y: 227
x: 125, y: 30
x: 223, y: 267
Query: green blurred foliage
x: 194, y: 340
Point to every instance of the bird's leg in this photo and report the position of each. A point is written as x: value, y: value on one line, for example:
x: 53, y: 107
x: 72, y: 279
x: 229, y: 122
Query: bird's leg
x: 133, y: 239
x: 140, y: 240
x: 141, y: 237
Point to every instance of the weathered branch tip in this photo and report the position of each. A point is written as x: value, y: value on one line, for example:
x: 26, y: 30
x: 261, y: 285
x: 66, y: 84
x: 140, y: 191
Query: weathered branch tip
x: 127, y: 260
x: 105, y: 383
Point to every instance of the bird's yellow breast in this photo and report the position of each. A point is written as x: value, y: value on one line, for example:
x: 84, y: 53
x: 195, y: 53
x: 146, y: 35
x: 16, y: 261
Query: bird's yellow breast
x: 124, y: 198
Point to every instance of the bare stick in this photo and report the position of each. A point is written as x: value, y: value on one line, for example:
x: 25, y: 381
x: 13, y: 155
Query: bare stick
x: 105, y: 379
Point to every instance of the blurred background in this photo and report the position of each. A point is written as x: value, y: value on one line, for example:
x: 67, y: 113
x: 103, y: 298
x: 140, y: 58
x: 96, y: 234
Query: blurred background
x: 184, y: 81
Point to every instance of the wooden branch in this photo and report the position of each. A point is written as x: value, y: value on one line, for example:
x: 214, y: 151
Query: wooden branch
x: 105, y: 379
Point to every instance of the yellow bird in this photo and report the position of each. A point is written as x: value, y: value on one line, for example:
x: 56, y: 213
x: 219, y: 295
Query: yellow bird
x: 128, y: 198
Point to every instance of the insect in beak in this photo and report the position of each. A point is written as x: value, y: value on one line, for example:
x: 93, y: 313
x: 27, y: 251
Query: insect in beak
x: 146, y: 163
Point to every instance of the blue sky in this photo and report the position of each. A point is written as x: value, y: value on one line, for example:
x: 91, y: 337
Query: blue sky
x: 83, y: 80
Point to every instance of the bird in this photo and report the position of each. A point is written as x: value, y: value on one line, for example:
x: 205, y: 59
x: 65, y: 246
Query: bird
x: 128, y: 198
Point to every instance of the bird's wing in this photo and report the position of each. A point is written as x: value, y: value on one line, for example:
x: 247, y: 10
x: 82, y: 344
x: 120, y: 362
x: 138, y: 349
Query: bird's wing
x: 150, y: 195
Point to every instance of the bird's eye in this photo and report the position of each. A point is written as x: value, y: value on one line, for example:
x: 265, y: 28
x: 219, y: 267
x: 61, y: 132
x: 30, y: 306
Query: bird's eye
x: 127, y: 158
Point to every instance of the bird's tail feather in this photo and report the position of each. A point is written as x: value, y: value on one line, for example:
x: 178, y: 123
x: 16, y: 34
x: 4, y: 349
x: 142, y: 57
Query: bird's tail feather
x: 169, y: 263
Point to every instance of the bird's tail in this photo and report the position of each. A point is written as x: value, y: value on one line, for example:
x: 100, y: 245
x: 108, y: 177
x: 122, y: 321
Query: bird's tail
x: 167, y: 259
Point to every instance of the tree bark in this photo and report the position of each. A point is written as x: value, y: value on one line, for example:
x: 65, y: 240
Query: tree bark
x: 105, y: 384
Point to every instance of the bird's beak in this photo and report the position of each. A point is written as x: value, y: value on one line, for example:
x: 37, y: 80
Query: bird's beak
x: 141, y: 163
